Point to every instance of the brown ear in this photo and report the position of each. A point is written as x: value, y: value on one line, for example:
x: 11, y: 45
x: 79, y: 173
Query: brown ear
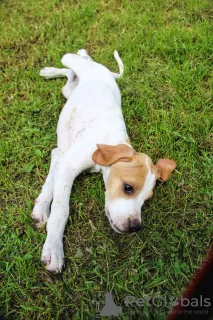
x: 165, y: 168
x: 106, y: 155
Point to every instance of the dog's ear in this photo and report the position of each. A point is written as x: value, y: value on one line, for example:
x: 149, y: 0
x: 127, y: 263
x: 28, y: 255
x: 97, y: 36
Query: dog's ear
x: 106, y: 155
x: 164, y: 168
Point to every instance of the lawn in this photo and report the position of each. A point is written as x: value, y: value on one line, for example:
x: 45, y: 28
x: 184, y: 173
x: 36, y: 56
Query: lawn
x: 167, y: 50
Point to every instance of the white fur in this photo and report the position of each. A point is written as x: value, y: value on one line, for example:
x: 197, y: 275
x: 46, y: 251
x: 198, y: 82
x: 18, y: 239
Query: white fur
x: 91, y: 115
x: 147, y: 187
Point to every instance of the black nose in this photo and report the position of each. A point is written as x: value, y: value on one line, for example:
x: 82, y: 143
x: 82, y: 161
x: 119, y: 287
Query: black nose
x: 134, y: 226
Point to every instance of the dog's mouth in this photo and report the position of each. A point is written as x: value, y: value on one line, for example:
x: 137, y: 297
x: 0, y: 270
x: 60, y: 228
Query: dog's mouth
x: 114, y: 227
x: 118, y: 230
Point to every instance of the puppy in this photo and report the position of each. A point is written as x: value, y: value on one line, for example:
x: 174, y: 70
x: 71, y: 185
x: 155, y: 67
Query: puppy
x: 91, y: 134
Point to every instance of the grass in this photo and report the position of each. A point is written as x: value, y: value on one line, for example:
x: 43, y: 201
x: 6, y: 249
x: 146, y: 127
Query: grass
x: 167, y: 50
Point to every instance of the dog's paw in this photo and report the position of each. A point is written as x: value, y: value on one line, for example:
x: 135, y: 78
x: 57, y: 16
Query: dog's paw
x: 83, y: 53
x: 41, y: 211
x: 48, y: 73
x: 53, y: 255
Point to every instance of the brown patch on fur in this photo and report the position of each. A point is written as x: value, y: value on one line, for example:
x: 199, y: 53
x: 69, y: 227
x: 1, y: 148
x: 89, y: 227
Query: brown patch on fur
x: 129, y: 167
x: 165, y: 167
x: 133, y: 173
x: 106, y: 155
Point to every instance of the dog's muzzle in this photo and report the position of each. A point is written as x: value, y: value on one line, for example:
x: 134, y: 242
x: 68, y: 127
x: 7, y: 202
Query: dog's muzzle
x: 133, y: 225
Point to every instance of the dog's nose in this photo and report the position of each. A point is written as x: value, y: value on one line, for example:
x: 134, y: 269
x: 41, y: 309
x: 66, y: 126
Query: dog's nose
x: 134, y: 225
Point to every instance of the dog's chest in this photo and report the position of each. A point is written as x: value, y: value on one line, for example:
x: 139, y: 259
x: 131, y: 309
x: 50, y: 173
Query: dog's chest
x: 73, y: 124
x: 87, y: 113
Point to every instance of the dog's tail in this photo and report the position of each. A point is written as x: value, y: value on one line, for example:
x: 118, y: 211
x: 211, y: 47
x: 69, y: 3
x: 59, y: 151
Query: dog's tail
x: 120, y: 64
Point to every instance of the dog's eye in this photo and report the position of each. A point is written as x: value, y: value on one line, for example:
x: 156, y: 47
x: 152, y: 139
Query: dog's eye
x: 128, y: 188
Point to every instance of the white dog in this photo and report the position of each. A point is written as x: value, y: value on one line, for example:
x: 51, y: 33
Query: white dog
x: 92, y: 135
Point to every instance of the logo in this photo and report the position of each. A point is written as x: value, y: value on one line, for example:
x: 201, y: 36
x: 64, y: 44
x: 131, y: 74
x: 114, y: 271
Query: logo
x: 110, y: 308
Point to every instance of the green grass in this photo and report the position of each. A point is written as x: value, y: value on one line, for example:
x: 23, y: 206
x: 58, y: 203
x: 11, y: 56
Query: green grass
x: 167, y: 50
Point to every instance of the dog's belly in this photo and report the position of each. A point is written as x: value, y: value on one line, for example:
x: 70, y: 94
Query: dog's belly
x: 92, y: 112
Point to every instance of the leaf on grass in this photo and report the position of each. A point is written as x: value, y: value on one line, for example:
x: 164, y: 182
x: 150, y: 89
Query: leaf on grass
x: 90, y: 250
x: 79, y: 254
x: 27, y: 256
x: 181, y: 183
x: 29, y: 167
x: 38, y: 153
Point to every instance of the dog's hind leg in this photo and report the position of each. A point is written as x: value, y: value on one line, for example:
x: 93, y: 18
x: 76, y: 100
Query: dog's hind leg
x: 41, y: 209
x: 51, y: 73
x: 83, y: 53
x: 79, y: 65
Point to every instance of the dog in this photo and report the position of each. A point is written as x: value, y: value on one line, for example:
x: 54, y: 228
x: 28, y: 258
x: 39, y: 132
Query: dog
x: 91, y: 134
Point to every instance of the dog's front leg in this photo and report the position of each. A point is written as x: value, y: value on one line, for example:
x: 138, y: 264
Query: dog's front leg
x: 65, y: 172
x: 42, y: 204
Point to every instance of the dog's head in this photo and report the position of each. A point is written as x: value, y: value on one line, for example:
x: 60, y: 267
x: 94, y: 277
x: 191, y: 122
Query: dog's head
x: 130, y: 183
